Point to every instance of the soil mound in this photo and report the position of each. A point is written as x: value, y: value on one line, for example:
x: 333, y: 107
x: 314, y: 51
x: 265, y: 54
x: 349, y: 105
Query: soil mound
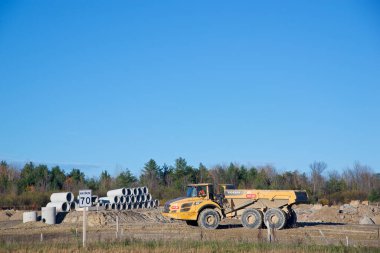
x: 6, y: 215
x: 351, y: 213
x: 103, y: 218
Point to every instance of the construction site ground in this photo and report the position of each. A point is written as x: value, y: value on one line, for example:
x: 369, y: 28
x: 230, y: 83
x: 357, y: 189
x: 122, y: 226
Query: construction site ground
x: 317, y: 225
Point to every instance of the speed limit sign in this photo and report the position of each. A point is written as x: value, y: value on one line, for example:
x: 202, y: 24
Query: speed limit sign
x: 85, y: 198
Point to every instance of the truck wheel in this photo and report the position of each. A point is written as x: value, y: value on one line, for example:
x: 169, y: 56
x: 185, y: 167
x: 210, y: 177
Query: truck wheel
x: 292, y: 220
x: 275, y: 217
x: 192, y: 223
x: 208, y: 219
x: 252, y: 218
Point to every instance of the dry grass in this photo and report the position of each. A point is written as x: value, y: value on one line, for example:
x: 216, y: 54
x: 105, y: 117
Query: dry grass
x: 176, y: 246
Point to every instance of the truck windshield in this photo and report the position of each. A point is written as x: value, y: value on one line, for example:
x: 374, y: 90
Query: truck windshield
x: 191, y: 192
x: 196, y: 191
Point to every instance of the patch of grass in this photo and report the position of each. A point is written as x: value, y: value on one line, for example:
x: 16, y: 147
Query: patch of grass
x: 169, y: 246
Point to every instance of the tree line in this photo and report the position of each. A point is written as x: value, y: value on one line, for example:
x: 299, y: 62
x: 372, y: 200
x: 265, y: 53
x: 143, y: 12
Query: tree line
x: 31, y: 186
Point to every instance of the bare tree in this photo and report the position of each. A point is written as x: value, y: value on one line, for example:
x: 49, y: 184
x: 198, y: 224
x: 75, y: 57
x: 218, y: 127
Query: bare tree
x: 317, y: 179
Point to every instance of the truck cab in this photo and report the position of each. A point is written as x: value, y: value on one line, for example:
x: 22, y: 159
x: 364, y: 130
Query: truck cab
x: 198, y: 197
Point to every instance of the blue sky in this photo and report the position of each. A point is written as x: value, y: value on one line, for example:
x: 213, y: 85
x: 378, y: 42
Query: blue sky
x: 110, y: 84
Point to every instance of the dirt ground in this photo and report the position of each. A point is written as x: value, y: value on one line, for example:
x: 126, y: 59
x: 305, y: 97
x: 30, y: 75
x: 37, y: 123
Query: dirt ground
x: 317, y: 225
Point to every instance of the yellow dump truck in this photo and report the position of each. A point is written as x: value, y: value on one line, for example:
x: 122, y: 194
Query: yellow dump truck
x: 255, y: 208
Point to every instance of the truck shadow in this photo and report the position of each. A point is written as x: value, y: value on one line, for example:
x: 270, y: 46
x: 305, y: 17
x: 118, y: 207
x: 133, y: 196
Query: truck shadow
x: 311, y: 224
x: 299, y: 225
x: 229, y: 226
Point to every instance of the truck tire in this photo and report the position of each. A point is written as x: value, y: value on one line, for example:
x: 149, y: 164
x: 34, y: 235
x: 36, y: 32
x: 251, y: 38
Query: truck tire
x: 209, y: 219
x: 192, y: 223
x: 275, y: 217
x: 292, y: 219
x: 252, y: 218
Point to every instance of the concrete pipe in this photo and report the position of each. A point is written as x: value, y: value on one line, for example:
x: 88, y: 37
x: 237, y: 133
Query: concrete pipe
x: 146, y: 204
x: 73, y: 206
x: 113, y: 199
x: 135, y: 191
x: 29, y: 216
x: 62, y: 197
x: 141, y: 205
x: 135, y: 205
x: 48, y: 215
x: 113, y: 206
x: 106, y: 206
x: 94, y: 199
x: 124, y: 206
x: 145, y: 190
x: 128, y: 207
x: 127, y: 199
x: 133, y: 199
x: 117, y: 206
x: 148, y: 197
x: 138, y: 198
x: 128, y: 192
x: 143, y: 198
x: 60, y: 206
x: 117, y: 192
x: 140, y: 191
x: 152, y: 204
x: 122, y: 199
x: 156, y: 203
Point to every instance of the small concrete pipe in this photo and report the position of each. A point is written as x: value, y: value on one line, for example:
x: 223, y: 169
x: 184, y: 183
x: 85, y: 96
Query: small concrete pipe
x: 135, y: 191
x: 122, y: 199
x: 60, y: 206
x: 117, y: 192
x: 140, y: 190
x: 113, y: 206
x: 62, y: 197
x: 143, y: 198
x: 128, y: 191
x: 156, y: 203
x: 135, y: 205
x: 29, y: 216
x: 73, y: 206
x: 145, y: 190
x: 133, y: 199
x: 138, y: 198
x: 148, y: 197
x: 48, y: 215
x: 127, y: 199
x: 141, y: 205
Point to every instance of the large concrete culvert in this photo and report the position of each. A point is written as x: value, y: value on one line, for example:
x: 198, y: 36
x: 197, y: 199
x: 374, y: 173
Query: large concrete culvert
x: 48, y: 215
x: 62, y: 197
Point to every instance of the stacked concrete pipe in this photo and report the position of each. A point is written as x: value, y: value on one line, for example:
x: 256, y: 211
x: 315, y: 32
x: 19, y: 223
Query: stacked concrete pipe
x: 62, y: 201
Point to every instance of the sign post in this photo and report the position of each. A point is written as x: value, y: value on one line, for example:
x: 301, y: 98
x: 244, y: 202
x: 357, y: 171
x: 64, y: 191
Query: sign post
x: 84, y: 202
